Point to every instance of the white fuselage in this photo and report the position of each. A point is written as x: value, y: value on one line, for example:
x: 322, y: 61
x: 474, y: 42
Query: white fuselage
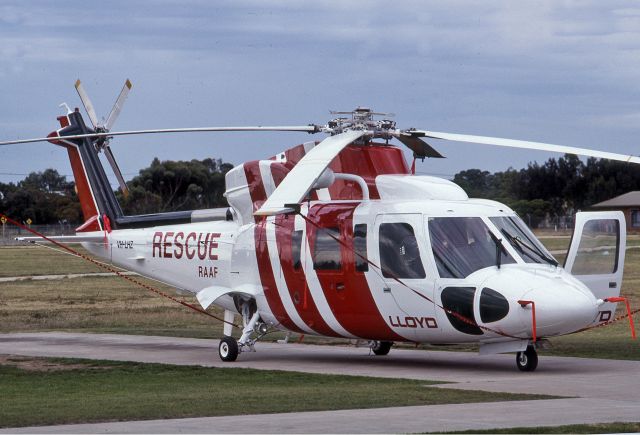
x: 255, y: 259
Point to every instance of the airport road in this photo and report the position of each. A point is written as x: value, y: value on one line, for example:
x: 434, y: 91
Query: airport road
x: 595, y: 390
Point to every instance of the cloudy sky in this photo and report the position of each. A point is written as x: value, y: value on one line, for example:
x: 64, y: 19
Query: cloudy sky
x: 565, y: 72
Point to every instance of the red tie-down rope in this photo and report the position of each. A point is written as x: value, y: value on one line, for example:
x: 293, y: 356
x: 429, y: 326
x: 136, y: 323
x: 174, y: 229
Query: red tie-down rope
x: 115, y: 271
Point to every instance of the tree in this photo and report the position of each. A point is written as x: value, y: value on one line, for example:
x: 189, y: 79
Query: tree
x: 47, y: 181
x: 177, y: 185
x: 555, y: 188
x: 44, y: 197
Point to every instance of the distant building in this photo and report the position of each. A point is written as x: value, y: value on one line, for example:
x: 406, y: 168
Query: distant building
x: 628, y: 203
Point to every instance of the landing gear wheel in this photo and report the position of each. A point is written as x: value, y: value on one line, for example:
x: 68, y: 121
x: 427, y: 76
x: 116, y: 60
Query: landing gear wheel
x: 381, y: 347
x: 228, y: 349
x: 527, y: 361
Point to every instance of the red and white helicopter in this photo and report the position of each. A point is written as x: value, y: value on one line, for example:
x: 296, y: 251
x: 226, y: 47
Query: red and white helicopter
x: 339, y: 238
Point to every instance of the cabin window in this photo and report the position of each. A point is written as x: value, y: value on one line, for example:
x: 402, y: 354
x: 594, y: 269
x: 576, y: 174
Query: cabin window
x: 360, y: 247
x: 399, y: 252
x: 326, y: 250
x: 598, y: 249
x: 517, y: 234
x: 296, y: 249
x: 462, y: 245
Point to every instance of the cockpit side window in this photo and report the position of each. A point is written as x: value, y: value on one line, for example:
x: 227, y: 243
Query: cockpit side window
x: 399, y: 252
x: 462, y: 245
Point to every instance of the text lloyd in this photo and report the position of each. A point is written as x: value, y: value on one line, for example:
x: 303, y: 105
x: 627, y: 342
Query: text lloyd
x: 413, y: 322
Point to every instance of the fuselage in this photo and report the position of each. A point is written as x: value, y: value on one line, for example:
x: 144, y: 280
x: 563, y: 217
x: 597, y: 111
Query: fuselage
x: 394, y: 270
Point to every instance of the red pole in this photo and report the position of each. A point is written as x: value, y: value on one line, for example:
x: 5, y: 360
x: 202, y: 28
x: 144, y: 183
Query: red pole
x: 626, y: 301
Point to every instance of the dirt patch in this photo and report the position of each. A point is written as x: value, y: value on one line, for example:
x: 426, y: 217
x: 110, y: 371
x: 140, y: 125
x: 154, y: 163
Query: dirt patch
x: 43, y: 365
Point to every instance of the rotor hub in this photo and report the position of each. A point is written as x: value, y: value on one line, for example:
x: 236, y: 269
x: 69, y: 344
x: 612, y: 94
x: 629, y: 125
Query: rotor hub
x: 362, y: 118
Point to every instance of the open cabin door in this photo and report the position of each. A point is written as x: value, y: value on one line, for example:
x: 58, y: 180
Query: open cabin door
x: 596, y: 255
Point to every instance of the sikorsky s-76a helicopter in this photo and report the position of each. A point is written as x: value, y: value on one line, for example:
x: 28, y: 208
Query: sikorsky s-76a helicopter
x: 340, y: 238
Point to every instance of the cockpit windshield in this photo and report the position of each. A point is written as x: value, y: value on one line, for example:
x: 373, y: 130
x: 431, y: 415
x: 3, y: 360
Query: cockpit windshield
x: 462, y: 245
x: 523, y: 240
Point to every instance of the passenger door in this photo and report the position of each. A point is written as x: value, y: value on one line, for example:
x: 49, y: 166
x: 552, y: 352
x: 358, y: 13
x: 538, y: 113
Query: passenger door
x: 407, y: 279
x: 596, y: 254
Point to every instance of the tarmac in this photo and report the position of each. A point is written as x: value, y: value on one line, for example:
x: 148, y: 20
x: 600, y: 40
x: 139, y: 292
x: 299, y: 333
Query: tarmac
x: 592, y: 390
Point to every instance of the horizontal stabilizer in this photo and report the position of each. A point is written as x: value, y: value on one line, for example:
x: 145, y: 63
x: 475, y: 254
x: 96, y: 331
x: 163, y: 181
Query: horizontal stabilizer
x: 64, y: 239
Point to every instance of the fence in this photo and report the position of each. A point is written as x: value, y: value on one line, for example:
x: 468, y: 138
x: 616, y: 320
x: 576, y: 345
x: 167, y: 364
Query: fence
x: 554, y: 223
x: 9, y: 232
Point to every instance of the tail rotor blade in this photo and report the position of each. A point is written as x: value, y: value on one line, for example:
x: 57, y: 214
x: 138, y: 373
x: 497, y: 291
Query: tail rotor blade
x: 420, y: 148
x: 116, y: 169
x: 86, y: 102
x: 117, y: 106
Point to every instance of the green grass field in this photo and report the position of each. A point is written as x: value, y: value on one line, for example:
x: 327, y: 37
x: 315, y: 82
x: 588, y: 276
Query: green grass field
x: 38, y: 391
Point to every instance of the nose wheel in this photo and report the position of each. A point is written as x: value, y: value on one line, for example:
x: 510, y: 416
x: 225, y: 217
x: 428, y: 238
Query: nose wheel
x: 527, y: 361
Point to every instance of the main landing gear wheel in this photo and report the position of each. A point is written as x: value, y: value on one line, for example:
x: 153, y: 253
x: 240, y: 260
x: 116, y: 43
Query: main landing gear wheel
x: 527, y: 361
x: 381, y: 347
x: 228, y: 349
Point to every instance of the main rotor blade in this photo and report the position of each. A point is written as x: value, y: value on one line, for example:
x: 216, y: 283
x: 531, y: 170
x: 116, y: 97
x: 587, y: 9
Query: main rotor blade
x: 116, y: 169
x: 306, y: 128
x: 117, y: 106
x: 306, y: 172
x: 419, y: 147
x: 512, y: 143
x: 86, y: 102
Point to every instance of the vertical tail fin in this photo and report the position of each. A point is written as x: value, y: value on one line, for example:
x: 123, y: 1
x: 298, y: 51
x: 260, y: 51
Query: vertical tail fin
x: 97, y: 199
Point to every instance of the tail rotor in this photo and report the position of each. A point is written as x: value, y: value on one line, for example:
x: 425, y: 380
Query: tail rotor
x: 102, y: 143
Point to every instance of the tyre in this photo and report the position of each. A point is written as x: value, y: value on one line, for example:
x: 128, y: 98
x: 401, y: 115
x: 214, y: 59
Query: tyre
x: 228, y: 349
x: 381, y: 347
x: 527, y: 361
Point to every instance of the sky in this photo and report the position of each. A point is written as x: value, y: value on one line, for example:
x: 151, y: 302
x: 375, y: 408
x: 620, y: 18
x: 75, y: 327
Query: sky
x: 563, y: 72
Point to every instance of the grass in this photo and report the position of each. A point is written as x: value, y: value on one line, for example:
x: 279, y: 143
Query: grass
x: 616, y: 427
x: 33, y: 260
x: 109, y: 391
x: 98, y: 304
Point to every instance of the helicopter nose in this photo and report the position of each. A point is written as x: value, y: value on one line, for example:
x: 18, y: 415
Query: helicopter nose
x: 560, y: 308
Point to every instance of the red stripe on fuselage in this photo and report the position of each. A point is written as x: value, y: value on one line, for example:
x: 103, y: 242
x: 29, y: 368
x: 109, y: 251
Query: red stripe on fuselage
x: 258, y: 196
x: 346, y: 290
x: 296, y: 280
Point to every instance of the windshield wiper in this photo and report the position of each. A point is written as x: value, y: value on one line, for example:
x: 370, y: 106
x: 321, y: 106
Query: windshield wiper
x: 517, y: 242
x: 500, y: 249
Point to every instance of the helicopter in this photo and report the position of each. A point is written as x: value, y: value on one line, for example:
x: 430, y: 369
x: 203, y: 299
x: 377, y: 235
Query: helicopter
x: 340, y: 238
